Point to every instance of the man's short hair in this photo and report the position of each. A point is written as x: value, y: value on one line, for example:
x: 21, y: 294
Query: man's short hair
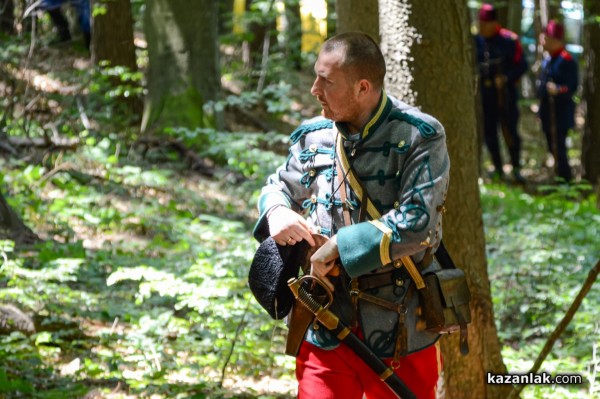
x: 362, y: 56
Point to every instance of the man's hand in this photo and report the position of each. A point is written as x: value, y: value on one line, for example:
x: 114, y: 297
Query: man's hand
x: 552, y: 88
x: 500, y: 81
x: 323, y: 262
x: 287, y: 227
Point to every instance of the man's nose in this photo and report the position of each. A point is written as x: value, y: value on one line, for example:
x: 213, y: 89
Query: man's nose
x: 315, y: 90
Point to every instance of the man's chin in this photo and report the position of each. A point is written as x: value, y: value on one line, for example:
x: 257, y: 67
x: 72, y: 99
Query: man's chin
x: 327, y: 114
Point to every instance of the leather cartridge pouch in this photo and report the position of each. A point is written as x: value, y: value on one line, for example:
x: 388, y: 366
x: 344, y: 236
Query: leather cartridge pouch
x: 445, y: 301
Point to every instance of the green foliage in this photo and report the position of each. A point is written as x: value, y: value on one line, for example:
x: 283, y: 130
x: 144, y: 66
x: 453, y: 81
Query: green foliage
x: 540, y: 249
x: 162, y: 270
x: 139, y: 289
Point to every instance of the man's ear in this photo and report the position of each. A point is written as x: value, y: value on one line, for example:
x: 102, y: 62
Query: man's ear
x: 364, y: 87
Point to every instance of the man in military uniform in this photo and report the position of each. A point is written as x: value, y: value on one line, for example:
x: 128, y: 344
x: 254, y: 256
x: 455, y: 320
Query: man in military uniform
x: 371, y: 174
x: 556, y: 86
x: 501, y: 65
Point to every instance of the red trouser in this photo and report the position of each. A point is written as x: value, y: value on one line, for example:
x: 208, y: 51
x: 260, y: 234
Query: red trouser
x: 341, y: 374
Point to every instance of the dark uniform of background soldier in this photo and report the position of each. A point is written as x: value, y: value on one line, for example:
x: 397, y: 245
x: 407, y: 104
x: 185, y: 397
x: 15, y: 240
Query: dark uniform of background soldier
x: 501, y: 65
x: 61, y: 23
x: 556, y: 86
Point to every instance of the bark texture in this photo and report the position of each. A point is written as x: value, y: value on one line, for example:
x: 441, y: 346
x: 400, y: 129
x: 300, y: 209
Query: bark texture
x: 112, y: 40
x: 358, y: 15
x: 429, y: 51
x: 11, y: 226
x: 590, y: 153
x: 183, y: 69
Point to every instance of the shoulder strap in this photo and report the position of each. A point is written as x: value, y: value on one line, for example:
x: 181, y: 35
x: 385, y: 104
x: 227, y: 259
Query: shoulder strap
x: 443, y: 257
x: 368, y: 205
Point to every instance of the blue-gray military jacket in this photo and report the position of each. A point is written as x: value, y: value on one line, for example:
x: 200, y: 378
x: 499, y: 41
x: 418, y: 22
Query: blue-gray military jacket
x: 402, y: 160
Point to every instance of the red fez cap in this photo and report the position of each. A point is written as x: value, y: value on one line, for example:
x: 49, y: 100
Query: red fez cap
x: 487, y: 13
x: 555, y: 30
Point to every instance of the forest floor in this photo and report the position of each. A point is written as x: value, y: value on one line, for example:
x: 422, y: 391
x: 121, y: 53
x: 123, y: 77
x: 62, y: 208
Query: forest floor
x: 138, y: 289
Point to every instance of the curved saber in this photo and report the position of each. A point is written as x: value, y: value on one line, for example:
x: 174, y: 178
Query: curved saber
x: 344, y: 334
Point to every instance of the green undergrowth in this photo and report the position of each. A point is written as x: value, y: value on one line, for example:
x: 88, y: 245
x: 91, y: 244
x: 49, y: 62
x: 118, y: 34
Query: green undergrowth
x: 139, y: 289
x: 540, y: 251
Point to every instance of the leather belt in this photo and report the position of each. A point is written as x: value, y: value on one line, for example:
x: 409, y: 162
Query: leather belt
x: 376, y: 280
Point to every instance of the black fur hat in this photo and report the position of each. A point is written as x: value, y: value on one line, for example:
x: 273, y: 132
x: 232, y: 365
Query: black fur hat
x: 273, y: 265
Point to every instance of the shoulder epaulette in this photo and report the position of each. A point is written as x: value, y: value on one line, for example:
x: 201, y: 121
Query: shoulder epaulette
x: 566, y: 55
x: 424, y: 128
x: 308, y: 128
x: 509, y: 34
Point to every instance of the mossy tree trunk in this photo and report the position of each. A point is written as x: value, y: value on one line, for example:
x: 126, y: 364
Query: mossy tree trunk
x: 429, y: 51
x: 183, y: 64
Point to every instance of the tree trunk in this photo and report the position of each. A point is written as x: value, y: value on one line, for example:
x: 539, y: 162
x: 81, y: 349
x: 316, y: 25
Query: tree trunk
x: 591, y: 135
x: 293, y: 33
x: 11, y: 226
x: 331, y: 18
x: 262, y: 30
x: 361, y: 15
x: 428, y: 45
x: 509, y: 14
x: 113, y: 34
x: 514, y: 16
x: 7, y: 17
x: 183, y: 68
x: 225, y: 17
x: 397, y: 38
x: 112, y: 42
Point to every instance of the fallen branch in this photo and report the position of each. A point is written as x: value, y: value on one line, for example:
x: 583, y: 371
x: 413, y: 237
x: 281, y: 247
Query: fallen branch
x: 197, y: 163
x: 45, y: 142
x: 4, y: 146
x: 560, y: 328
x: 250, y: 118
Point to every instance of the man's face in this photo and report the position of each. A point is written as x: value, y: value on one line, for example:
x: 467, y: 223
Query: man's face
x: 333, y: 88
x: 487, y: 29
x: 549, y: 43
x: 543, y: 41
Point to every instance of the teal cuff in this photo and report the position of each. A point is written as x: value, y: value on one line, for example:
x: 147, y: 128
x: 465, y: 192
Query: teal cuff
x: 266, y: 202
x: 359, y: 248
x: 270, y: 199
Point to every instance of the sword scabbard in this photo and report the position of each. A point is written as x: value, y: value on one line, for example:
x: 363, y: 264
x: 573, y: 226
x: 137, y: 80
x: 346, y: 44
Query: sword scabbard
x: 328, y: 319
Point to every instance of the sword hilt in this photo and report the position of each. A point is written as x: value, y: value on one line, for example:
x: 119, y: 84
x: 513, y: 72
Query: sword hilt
x: 321, y: 312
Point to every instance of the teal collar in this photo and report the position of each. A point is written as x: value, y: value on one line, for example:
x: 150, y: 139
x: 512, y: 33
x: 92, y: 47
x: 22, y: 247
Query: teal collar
x: 379, y: 116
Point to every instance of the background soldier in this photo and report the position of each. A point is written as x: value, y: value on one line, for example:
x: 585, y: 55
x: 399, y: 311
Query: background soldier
x: 501, y: 65
x: 82, y: 7
x: 556, y: 86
